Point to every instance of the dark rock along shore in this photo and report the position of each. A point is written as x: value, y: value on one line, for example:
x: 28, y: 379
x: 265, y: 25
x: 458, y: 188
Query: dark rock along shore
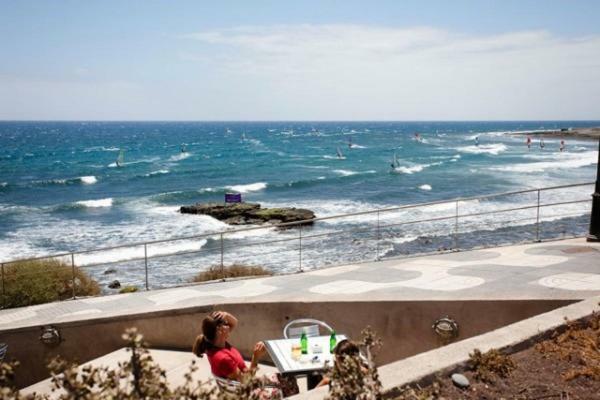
x: 250, y: 213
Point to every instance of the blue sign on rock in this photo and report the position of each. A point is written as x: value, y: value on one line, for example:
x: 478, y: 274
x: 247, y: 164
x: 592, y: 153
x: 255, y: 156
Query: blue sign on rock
x: 233, y: 197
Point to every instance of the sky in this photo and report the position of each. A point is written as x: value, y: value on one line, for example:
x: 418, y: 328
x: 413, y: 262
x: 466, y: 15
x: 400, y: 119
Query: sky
x: 299, y: 60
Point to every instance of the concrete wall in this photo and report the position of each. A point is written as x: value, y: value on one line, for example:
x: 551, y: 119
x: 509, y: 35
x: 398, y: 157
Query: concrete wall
x: 404, y: 327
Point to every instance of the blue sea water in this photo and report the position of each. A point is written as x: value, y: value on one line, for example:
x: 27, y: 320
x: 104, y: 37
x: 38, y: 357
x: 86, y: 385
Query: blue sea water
x: 61, y: 190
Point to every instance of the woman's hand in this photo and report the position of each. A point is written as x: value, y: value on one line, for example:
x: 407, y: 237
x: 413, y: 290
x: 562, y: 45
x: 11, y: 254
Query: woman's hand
x: 225, y: 316
x: 259, y: 350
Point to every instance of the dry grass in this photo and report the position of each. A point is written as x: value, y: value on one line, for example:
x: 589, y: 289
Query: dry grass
x: 42, y: 281
x: 580, y: 345
x: 233, y: 271
x: 487, y: 366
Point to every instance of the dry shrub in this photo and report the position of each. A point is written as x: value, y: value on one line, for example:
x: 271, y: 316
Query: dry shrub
x: 580, y: 345
x: 233, y: 271
x: 27, y: 283
x: 8, y: 390
x: 431, y: 392
x: 352, y: 378
x: 487, y: 366
x: 139, y: 378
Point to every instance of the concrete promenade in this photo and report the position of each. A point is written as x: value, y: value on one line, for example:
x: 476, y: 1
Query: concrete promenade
x: 562, y: 270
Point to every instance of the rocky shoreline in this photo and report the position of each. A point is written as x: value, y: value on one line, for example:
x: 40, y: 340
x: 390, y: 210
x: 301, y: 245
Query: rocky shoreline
x: 578, y: 133
x: 250, y: 213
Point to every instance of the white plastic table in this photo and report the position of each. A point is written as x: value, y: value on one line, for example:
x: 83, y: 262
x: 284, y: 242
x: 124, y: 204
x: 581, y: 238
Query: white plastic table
x: 280, y: 351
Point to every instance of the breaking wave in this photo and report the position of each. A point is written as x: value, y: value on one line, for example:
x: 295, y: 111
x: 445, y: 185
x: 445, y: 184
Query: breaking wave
x: 494, y: 149
x: 252, y: 187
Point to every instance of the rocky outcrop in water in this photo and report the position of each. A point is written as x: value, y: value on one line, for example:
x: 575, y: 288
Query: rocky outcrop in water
x: 250, y: 213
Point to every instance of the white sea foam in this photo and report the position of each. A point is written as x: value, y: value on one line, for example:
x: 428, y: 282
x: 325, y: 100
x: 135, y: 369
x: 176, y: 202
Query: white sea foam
x: 425, y: 187
x: 146, y: 160
x: 334, y: 157
x: 159, y: 172
x: 403, y: 239
x: 137, y: 252
x: 180, y: 156
x: 100, y: 148
x: 96, y: 203
x: 88, y: 180
x: 345, y: 172
x: 357, y: 146
x: 252, y: 187
x: 3, y: 184
x: 493, y: 148
x: 582, y: 160
x: 410, y: 170
x: 315, y: 166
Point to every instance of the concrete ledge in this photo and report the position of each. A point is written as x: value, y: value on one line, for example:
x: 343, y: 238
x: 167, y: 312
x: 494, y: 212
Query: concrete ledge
x: 511, y: 338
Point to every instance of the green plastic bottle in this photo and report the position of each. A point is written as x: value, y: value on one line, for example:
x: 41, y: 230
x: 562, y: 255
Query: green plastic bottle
x: 332, y: 341
x: 304, y: 343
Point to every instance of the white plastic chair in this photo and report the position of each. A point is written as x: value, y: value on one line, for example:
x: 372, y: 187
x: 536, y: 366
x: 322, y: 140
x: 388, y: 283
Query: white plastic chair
x: 3, y: 350
x: 231, y: 386
x: 226, y: 385
x: 311, y: 327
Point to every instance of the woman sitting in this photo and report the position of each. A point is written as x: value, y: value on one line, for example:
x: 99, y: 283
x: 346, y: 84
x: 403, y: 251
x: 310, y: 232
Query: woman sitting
x: 225, y: 360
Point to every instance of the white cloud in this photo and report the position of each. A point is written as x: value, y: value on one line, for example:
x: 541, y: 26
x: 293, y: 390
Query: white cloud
x: 332, y: 72
x: 419, y: 73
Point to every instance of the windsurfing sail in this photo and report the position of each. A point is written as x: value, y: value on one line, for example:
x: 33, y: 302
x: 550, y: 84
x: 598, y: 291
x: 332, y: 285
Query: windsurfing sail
x: 121, y: 158
x: 542, y: 144
x: 339, y: 153
x: 183, y: 148
x: 396, y: 163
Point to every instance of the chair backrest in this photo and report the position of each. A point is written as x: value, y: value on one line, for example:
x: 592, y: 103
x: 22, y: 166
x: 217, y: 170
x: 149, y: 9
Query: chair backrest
x: 3, y: 350
x: 311, y: 327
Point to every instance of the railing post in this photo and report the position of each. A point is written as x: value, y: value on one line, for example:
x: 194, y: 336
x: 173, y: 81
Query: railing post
x: 73, y: 274
x: 378, y: 237
x: 537, y: 222
x: 222, y: 265
x: 3, y: 292
x: 146, y: 263
x: 456, y: 228
x: 300, y: 248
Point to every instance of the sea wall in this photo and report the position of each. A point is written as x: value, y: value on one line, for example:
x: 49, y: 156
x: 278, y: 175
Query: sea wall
x: 404, y: 326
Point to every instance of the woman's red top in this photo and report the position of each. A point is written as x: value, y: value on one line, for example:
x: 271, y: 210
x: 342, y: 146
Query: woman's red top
x: 223, y: 361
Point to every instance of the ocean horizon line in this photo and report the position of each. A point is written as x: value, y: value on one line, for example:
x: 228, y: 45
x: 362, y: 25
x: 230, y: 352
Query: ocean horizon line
x: 293, y: 121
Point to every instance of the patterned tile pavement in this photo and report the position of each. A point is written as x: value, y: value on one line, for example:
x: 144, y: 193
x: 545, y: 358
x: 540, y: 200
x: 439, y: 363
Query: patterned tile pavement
x: 566, y: 269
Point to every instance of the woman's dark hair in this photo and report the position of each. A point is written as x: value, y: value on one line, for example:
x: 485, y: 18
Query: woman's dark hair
x: 205, y: 341
x: 346, y: 348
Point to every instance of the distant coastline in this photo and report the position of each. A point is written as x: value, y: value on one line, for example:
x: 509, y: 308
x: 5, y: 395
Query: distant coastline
x: 579, y: 133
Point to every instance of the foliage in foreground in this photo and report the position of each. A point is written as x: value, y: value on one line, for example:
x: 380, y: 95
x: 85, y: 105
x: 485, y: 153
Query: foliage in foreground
x: 28, y: 283
x: 355, y: 378
x: 580, y: 343
x: 233, y: 271
x: 141, y: 378
x: 487, y: 366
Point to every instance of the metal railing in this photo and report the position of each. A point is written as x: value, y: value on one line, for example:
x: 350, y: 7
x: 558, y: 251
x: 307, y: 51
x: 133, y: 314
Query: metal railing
x: 452, y: 224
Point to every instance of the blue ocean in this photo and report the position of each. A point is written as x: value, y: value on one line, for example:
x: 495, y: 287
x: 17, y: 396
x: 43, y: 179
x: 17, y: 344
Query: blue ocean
x: 69, y: 186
